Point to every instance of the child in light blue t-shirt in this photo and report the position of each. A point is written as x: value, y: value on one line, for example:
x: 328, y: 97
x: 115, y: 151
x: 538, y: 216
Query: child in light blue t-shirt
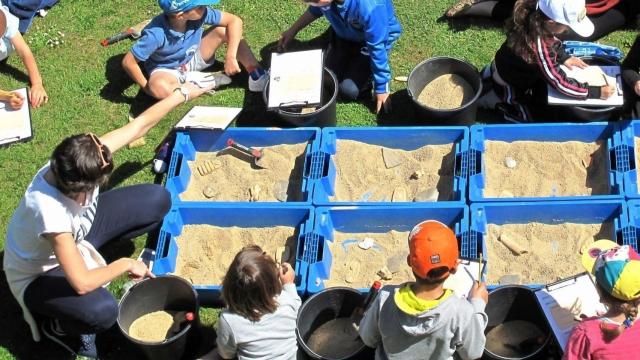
x: 175, y: 48
x: 12, y: 41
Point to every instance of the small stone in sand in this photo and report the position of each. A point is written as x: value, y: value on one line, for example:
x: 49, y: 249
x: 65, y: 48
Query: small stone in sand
x: 399, y: 194
x: 385, y: 273
x: 510, y: 162
x: 254, y: 192
x: 429, y: 195
x: 209, y: 191
x: 280, y: 190
x: 417, y: 175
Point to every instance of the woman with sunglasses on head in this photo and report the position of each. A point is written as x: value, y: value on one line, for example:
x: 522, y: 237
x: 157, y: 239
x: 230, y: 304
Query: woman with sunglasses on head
x: 50, y: 259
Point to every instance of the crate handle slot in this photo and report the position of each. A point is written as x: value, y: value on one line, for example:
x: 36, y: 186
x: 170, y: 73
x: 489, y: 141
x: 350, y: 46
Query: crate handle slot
x: 163, y: 245
x: 176, y: 163
x: 457, y: 166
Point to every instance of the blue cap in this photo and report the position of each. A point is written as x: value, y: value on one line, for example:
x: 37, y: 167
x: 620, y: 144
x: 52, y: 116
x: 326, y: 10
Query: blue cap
x: 172, y: 6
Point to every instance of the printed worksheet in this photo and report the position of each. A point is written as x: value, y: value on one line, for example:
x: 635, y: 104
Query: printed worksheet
x: 594, y: 76
x: 462, y: 281
x: 566, y: 301
x: 295, y: 79
x: 208, y: 117
x: 15, y: 125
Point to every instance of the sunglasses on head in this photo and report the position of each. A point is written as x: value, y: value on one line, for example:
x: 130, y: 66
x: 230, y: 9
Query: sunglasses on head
x: 100, y: 147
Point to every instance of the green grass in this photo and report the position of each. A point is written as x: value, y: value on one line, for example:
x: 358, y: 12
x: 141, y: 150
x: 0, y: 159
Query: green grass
x: 89, y: 92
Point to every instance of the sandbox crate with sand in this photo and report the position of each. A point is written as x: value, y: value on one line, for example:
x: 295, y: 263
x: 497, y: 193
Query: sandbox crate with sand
x: 537, y: 162
x: 542, y: 242
x: 629, y: 150
x: 205, y: 168
x: 355, y: 246
x: 632, y: 234
x: 392, y: 166
x: 198, y: 241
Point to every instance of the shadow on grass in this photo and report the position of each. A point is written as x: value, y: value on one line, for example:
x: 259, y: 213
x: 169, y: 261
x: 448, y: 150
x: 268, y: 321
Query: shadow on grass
x: 15, y: 73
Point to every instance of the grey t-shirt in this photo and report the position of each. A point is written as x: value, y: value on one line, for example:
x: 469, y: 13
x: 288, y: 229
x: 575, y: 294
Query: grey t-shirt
x: 272, y: 337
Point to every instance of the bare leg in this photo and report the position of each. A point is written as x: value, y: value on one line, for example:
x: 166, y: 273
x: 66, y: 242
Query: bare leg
x: 216, y: 36
x: 162, y: 84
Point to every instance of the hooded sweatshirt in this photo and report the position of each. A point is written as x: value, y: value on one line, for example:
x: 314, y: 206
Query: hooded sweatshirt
x: 454, y: 325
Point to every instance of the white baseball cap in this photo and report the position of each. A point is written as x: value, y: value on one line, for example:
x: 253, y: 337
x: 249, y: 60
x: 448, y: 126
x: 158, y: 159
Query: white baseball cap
x: 572, y: 13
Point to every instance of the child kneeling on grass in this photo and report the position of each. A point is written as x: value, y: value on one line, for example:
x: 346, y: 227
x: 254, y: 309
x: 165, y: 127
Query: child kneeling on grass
x: 422, y: 319
x: 614, y: 335
x: 11, y: 40
x: 262, y: 307
x: 174, y: 47
x: 531, y: 56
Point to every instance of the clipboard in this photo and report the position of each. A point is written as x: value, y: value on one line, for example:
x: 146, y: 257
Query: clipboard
x: 464, y: 278
x: 612, y: 72
x: 295, y: 79
x: 15, y: 125
x: 565, y: 299
x: 208, y: 117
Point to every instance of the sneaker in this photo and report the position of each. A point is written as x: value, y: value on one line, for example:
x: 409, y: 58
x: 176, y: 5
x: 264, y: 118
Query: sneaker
x: 83, y: 345
x: 258, y: 79
x: 458, y: 8
x: 206, y: 79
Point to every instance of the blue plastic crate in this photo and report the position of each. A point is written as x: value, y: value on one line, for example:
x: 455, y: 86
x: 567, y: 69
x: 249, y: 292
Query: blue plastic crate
x: 543, y: 132
x: 405, y: 138
x: 238, y: 215
x: 632, y: 232
x: 188, y: 143
x: 627, y: 151
x: 359, y: 219
x: 548, y: 212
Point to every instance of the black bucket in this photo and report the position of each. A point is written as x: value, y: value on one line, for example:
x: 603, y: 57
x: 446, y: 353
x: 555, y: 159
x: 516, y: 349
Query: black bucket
x: 592, y: 113
x: 517, y: 305
x: 161, y: 293
x: 427, y: 71
x: 323, y: 116
x: 329, y: 304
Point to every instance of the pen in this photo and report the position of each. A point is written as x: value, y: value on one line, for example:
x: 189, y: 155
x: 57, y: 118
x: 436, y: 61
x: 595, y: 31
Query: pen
x: 480, y: 268
x: 605, y: 79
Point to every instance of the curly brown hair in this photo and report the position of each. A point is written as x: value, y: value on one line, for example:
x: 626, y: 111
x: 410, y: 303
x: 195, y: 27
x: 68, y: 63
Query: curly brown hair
x: 523, y: 28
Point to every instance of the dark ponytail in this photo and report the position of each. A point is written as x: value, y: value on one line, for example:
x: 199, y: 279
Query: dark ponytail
x: 77, y: 164
x: 524, y: 27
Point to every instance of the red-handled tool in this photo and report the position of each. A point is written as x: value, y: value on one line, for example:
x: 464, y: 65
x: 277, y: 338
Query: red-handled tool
x: 133, y: 32
x: 256, y: 154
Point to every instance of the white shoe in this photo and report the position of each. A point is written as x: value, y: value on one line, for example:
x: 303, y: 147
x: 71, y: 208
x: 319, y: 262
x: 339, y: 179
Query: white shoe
x: 259, y: 84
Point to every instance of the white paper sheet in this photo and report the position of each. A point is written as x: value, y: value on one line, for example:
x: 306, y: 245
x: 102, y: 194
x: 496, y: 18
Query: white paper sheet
x: 464, y: 278
x: 562, y: 301
x: 295, y: 78
x: 208, y: 117
x: 592, y: 76
x: 15, y: 125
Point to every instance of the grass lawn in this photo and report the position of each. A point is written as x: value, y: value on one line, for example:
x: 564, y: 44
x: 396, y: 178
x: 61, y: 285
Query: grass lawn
x: 89, y: 92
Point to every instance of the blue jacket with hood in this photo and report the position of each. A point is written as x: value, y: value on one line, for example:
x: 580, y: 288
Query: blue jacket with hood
x: 372, y: 22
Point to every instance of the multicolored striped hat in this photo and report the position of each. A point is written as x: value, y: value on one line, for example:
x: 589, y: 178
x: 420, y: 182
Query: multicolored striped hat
x: 616, y: 268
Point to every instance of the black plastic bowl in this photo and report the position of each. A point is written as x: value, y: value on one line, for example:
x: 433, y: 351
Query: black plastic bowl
x: 427, y: 71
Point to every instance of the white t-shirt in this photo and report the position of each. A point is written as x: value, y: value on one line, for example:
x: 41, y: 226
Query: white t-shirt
x: 273, y: 337
x: 6, y: 47
x: 43, y: 210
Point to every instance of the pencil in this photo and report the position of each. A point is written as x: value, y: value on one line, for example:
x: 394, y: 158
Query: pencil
x: 605, y: 79
x: 480, y: 268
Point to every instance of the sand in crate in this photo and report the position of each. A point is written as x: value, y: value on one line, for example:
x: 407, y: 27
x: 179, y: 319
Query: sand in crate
x: 544, y: 169
x: 361, y: 174
x: 553, y: 251
x: 358, y: 268
x: 235, y: 176
x: 206, y: 251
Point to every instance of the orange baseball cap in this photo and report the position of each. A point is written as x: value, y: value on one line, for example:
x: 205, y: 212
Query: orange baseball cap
x: 432, y: 245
